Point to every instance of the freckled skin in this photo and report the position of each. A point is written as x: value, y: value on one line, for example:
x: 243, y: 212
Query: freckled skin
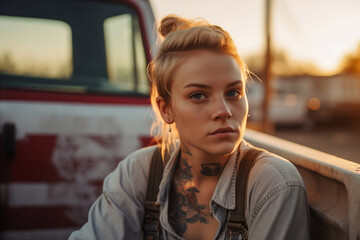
x: 196, y: 118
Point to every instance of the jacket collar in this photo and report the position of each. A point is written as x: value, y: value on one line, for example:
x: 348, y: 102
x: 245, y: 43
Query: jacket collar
x: 225, y: 191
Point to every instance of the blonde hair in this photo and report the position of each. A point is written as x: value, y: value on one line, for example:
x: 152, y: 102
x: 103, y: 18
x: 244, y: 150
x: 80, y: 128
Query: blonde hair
x: 180, y: 36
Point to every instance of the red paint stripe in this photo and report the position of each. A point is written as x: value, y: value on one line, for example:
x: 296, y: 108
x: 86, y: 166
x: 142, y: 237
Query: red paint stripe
x: 25, y: 95
x: 147, y: 141
x: 33, y: 161
x: 26, y: 218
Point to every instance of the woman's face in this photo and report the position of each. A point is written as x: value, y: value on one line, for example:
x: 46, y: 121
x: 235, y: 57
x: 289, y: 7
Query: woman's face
x: 208, y: 103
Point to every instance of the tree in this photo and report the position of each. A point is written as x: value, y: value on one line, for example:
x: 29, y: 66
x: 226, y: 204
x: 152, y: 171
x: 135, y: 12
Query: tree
x: 351, y: 62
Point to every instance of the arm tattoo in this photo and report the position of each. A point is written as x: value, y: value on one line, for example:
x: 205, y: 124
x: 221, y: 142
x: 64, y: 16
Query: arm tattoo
x: 184, y: 207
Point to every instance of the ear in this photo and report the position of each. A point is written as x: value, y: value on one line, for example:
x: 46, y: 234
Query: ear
x: 165, y: 110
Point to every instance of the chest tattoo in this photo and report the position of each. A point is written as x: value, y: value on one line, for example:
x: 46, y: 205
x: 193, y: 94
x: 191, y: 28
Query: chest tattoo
x: 184, y: 207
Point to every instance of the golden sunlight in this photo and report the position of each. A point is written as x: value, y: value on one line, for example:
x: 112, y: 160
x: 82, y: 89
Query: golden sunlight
x: 46, y: 47
x: 314, y: 34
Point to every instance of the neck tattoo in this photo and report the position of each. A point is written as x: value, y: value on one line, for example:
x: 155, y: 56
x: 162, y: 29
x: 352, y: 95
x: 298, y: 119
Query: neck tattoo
x: 211, y: 169
x: 184, y: 206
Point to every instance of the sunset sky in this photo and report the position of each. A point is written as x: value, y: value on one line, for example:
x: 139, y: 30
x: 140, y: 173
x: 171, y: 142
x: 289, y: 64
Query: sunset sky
x: 317, y: 31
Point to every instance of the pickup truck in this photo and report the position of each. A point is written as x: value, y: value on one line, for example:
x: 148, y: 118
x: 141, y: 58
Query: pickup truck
x: 74, y: 101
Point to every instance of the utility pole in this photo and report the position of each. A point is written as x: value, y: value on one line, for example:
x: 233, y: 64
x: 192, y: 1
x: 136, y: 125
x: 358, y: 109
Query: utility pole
x: 267, y: 125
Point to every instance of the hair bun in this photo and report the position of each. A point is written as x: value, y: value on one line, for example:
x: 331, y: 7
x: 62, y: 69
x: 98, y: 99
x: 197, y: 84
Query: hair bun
x: 172, y: 23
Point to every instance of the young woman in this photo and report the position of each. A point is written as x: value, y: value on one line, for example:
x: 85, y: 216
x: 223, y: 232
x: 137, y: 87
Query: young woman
x: 198, y: 91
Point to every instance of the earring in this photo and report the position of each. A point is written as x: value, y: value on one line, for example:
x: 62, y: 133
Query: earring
x: 169, y: 128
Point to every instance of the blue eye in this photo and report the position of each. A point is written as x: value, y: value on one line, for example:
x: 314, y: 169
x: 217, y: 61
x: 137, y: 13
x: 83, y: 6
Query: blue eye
x: 234, y: 93
x: 197, y: 96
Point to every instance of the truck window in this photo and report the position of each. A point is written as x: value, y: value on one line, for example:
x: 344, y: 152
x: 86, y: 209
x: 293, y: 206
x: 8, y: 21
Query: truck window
x: 72, y: 46
x: 35, y: 47
x: 125, y: 55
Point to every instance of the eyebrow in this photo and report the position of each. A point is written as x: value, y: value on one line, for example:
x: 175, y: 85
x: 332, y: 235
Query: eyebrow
x: 209, y: 87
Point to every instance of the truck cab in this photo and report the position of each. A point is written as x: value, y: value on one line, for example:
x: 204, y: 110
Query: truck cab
x: 74, y: 101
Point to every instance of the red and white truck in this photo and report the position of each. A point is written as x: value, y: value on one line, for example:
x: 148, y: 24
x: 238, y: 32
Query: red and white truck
x: 74, y: 100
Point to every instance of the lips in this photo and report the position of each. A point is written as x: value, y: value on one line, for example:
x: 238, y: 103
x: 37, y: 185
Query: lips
x: 223, y: 130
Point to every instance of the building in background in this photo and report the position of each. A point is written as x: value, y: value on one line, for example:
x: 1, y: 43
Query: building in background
x: 306, y: 100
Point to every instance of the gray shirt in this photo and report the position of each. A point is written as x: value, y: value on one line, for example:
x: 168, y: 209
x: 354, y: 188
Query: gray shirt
x: 276, y: 207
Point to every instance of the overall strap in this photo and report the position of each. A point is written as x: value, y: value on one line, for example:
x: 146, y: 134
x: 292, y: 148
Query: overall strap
x: 237, y: 221
x: 151, y: 225
x: 155, y: 176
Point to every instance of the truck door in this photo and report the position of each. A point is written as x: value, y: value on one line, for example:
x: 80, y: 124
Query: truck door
x: 73, y: 103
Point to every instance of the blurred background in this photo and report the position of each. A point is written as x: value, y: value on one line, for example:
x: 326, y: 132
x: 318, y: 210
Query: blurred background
x: 305, y: 60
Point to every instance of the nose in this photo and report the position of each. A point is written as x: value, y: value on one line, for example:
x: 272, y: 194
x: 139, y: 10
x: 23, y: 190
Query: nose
x: 221, y: 110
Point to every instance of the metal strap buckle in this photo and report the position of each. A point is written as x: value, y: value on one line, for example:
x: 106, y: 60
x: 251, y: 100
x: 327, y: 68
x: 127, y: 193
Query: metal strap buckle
x: 236, y: 229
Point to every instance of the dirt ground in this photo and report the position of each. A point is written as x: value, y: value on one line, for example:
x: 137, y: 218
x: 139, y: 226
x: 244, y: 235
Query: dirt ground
x: 340, y: 140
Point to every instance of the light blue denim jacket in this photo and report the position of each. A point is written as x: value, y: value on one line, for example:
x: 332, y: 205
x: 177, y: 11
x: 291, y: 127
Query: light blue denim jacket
x: 276, y: 207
